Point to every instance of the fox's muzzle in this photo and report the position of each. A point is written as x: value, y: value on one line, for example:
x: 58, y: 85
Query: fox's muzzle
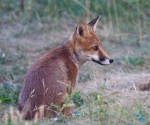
x: 103, y: 61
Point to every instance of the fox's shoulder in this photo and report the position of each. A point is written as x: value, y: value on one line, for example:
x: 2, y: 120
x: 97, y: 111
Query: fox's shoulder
x: 54, y: 58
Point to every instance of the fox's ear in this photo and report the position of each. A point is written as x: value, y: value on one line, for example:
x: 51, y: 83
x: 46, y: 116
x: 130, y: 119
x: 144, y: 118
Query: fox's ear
x: 93, y: 23
x: 81, y: 29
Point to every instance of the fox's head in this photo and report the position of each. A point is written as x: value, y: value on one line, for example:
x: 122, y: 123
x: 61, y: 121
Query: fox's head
x: 87, y: 44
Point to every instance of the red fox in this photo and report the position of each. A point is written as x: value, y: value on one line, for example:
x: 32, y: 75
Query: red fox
x: 48, y: 80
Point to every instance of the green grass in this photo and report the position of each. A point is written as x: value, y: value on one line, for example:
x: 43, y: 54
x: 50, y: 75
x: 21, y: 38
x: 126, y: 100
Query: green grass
x: 92, y: 108
x: 104, y: 95
x: 127, y: 9
x: 121, y: 13
x: 9, y: 93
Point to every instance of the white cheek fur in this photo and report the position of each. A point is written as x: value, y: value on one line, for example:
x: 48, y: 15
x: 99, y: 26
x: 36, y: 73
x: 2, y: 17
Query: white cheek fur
x: 95, y: 57
x: 91, y: 57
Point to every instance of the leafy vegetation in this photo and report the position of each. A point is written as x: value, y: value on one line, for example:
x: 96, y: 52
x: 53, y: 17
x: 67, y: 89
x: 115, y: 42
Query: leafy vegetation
x: 9, y: 93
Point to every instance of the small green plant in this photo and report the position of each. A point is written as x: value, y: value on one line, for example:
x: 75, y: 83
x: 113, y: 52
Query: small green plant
x: 9, y: 93
x: 140, y: 113
x: 77, y: 99
x: 131, y: 62
x: 101, y: 102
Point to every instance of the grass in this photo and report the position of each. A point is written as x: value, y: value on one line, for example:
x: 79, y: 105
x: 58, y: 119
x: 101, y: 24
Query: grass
x: 110, y: 95
x: 96, y: 108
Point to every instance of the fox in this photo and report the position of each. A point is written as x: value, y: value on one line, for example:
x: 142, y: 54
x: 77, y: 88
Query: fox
x: 50, y: 81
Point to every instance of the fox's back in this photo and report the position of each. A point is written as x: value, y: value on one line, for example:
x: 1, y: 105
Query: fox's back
x: 54, y: 65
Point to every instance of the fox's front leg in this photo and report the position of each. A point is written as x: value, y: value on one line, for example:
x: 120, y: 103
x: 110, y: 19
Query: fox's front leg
x: 67, y: 106
x: 67, y: 109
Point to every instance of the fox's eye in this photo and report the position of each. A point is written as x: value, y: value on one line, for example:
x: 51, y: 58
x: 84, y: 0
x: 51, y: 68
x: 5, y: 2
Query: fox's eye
x: 95, y: 48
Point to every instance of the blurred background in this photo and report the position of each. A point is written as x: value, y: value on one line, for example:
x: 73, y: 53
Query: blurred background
x: 127, y: 15
x: 28, y: 28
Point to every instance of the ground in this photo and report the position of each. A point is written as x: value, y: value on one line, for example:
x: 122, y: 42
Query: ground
x: 111, y: 93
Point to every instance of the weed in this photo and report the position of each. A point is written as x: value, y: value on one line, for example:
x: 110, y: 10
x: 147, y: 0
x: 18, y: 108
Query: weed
x: 9, y: 93
x: 77, y: 99
x: 131, y: 62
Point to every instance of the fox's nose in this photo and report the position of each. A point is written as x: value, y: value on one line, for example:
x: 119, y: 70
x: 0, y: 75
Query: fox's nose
x: 111, y: 60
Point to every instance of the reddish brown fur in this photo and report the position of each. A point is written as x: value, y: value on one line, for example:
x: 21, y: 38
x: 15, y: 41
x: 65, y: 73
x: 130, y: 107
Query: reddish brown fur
x: 47, y: 82
x: 50, y: 69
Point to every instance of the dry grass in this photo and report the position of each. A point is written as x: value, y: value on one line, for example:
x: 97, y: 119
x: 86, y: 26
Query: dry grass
x: 110, y: 95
